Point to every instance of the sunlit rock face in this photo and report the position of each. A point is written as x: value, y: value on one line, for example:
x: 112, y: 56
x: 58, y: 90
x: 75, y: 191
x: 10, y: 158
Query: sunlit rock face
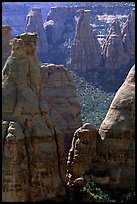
x: 109, y: 152
x: 33, y: 158
x: 6, y: 37
x: 34, y: 24
x: 58, y: 92
x: 85, y: 51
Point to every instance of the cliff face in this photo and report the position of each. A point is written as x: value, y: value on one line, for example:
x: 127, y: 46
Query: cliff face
x: 59, y: 27
x: 6, y: 37
x: 113, y: 49
x: 108, y: 153
x: 85, y: 51
x: 33, y: 150
x: 34, y: 24
x: 58, y: 92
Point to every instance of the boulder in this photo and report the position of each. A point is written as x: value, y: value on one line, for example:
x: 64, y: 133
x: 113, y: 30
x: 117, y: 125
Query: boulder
x: 33, y: 156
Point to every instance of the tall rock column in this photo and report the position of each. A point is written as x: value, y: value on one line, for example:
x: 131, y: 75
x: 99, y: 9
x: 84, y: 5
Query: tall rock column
x: 33, y: 160
x: 34, y: 24
x: 113, y: 50
x: 85, y: 51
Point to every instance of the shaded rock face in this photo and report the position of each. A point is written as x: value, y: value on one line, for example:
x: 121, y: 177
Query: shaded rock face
x: 58, y: 92
x: 113, y: 50
x: 85, y: 50
x: 6, y: 37
x: 34, y: 24
x: 128, y: 35
x: 112, y: 160
x: 59, y: 27
x: 33, y: 160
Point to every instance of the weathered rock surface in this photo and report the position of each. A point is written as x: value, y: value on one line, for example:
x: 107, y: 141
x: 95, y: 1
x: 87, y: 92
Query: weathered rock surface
x: 128, y: 35
x: 81, y: 154
x: 6, y: 37
x: 113, y: 50
x: 33, y: 160
x: 85, y: 51
x: 112, y: 159
x: 34, y: 24
x: 58, y: 91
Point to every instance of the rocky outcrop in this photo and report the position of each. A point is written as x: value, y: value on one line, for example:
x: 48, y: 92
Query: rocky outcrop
x: 6, y: 37
x: 113, y: 50
x: 33, y: 159
x: 58, y: 91
x: 85, y: 51
x: 34, y: 24
x: 81, y: 154
x: 128, y: 35
x: 111, y: 149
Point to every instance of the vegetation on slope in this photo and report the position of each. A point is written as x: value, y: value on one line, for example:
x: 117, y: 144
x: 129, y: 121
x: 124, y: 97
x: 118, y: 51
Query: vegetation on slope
x: 94, y: 102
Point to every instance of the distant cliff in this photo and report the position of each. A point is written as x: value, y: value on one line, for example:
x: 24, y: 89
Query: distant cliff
x: 6, y: 37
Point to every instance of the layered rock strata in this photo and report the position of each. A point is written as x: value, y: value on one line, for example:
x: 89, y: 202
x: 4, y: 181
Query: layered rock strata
x: 109, y: 153
x: 85, y: 51
x: 34, y: 24
x: 6, y: 37
x: 58, y: 91
x: 33, y: 159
